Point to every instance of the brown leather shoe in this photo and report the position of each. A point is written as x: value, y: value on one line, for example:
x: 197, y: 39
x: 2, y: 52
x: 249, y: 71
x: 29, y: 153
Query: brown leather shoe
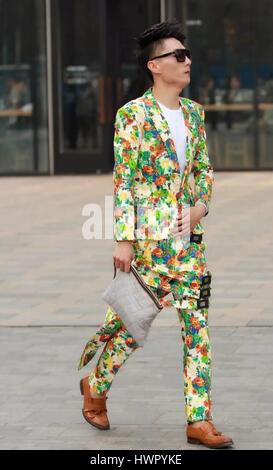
x: 207, y: 434
x: 94, y: 409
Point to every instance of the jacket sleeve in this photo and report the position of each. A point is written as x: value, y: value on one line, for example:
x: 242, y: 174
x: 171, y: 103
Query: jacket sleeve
x: 126, y: 146
x: 202, y: 168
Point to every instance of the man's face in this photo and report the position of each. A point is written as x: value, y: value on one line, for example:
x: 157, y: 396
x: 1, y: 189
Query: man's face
x: 168, y: 69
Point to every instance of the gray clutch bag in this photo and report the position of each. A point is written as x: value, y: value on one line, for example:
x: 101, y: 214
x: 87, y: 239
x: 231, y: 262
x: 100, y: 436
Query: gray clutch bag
x: 133, y: 301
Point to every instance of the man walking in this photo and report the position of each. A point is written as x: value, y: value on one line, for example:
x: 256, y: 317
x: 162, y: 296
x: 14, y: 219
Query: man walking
x: 159, y: 141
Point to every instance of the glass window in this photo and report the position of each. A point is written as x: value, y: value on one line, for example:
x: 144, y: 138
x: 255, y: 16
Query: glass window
x: 134, y: 18
x: 81, y: 75
x: 23, y: 103
x: 221, y: 37
x: 264, y: 54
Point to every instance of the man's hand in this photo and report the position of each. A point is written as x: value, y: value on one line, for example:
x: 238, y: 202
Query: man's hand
x: 123, y: 255
x: 188, y: 218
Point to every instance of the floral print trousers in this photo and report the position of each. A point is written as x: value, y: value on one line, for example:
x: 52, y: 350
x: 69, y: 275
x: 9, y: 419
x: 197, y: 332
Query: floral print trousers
x: 119, y: 346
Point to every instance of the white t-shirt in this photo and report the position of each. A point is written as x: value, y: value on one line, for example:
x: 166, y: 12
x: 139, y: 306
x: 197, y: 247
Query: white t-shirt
x: 175, y: 120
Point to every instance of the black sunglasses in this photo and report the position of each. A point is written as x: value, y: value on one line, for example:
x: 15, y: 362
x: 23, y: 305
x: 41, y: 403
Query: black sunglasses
x: 180, y: 55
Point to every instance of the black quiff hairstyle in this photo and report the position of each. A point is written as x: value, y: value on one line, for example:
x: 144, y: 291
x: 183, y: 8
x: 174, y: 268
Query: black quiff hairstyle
x: 153, y: 37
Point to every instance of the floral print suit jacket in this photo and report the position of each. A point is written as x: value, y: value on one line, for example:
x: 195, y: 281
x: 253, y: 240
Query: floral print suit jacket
x: 149, y: 190
x: 148, y: 186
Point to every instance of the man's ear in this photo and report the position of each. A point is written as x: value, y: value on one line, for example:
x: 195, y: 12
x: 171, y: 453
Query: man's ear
x: 153, y: 66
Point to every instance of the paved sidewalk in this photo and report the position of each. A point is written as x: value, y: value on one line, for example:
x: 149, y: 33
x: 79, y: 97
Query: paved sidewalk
x: 51, y: 281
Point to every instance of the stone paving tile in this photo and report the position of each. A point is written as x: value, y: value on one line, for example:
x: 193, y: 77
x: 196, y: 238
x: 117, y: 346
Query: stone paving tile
x: 146, y: 398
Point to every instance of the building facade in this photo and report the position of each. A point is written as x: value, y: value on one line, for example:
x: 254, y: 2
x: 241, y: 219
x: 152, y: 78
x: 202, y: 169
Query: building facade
x: 67, y: 65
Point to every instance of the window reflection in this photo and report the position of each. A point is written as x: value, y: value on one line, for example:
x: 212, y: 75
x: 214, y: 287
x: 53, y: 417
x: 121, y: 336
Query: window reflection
x: 23, y: 122
x: 134, y: 17
x: 81, y: 70
x: 264, y: 18
x: 80, y: 108
x: 221, y: 39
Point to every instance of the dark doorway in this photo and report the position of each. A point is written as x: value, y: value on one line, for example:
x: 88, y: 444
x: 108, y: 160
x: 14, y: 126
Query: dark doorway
x: 95, y: 72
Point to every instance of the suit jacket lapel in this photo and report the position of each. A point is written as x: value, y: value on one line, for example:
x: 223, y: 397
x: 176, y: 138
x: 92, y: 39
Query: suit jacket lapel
x: 157, y: 119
